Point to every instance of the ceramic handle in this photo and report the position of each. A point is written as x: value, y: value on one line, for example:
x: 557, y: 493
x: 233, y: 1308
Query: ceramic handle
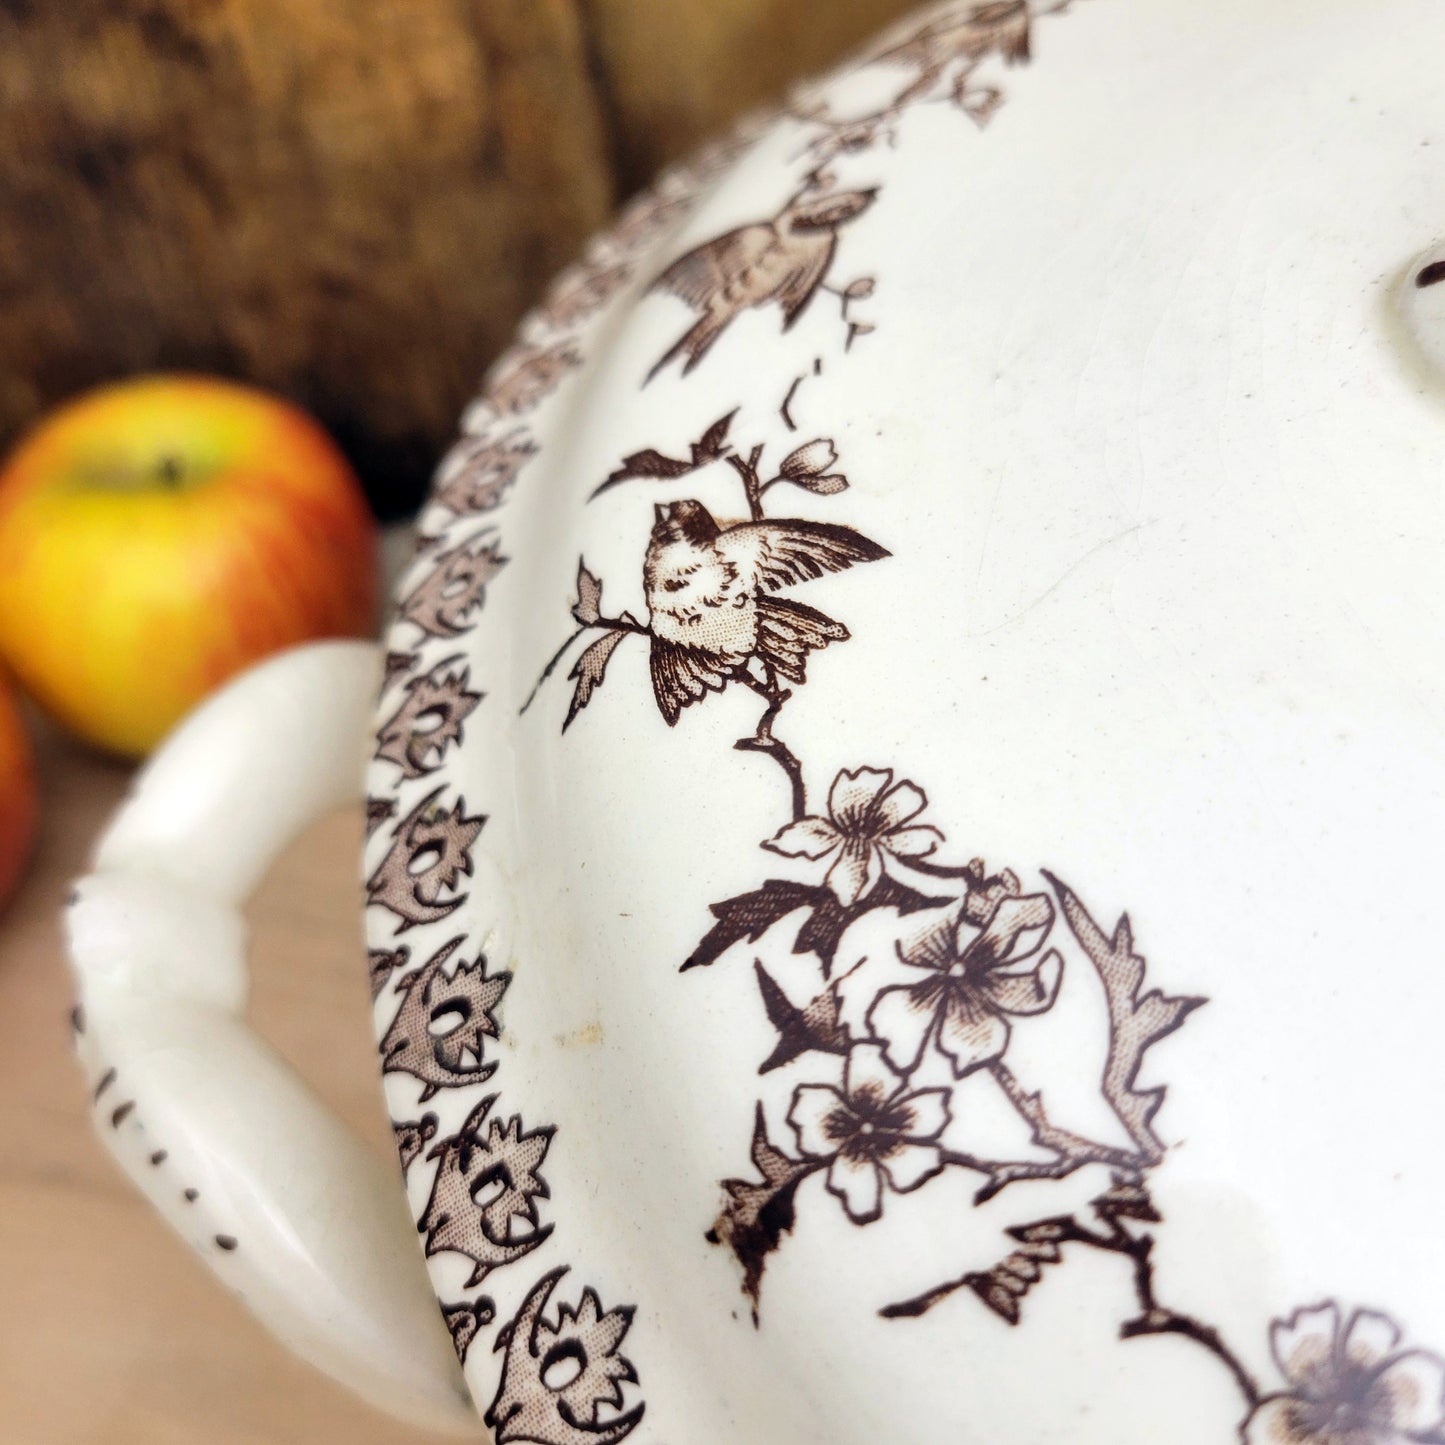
x: 293, y: 1214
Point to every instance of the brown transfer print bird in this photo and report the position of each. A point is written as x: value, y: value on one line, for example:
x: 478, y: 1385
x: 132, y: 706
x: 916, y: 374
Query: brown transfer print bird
x: 709, y: 590
x: 784, y: 260
x: 1000, y: 27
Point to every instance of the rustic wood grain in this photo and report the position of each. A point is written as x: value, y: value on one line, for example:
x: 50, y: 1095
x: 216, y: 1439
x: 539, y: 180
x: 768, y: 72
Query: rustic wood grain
x: 350, y: 201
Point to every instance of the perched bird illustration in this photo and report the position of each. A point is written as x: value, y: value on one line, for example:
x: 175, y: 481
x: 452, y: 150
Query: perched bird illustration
x: 709, y: 590
x: 783, y: 260
x: 1000, y: 27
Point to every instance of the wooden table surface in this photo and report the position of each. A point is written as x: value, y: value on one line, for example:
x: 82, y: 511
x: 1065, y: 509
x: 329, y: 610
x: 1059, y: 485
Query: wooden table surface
x: 110, y: 1332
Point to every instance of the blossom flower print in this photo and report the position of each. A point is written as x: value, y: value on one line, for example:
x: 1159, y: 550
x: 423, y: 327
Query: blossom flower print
x: 1348, y: 1383
x: 967, y: 984
x: 874, y: 1130
x: 868, y: 815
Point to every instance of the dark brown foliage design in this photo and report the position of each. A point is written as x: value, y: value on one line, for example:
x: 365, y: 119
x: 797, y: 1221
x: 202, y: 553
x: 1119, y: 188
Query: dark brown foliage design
x: 526, y: 374
x: 478, y: 472
x: 382, y: 963
x: 1348, y: 1381
x: 397, y: 665
x: 484, y: 1196
x: 563, y: 1378
x: 487, y: 1184
x: 453, y: 588
x: 1136, y: 1022
x: 811, y: 1027
x: 649, y: 462
x: 429, y: 721
x: 466, y: 1321
x: 953, y: 992
x: 825, y: 918
x: 759, y: 1212
x: 582, y: 290
x: 429, y: 853
x: 1108, y: 1224
x: 378, y: 811
x: 412, y: 1137
x: 965, y: 34
x: 943, y: 55
x: 440, y: 1031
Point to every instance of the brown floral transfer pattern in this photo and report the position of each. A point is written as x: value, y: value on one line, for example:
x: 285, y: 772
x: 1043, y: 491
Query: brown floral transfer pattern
x: 1348, y: 1381
x: 441, y: 1030
x: 417, y: 736
x: 484, y: 1195
x: 976, y: 954
x: 420, y: 878
x: 563, y: 1376
x: 562, y: 1379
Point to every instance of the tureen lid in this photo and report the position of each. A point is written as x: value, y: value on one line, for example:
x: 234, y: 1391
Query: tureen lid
x: 944, y: 590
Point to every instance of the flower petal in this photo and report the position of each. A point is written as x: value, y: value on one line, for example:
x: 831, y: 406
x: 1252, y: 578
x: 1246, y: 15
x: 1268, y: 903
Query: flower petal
x: 1370, y: 1337
x: 856, y: 869
x: 856, y: 989
x: 899, y: 805
x: 807, y: 838
x: 912, y: 842
x: 815, y: 1117
x: 867, y: 1073
x: 857, y: 1183
x: 1013, y: 933
x: 1026, y: 993
x: 909, y: 1165
x: 1304, y: 1346
x: 1414, y: 1384
x: 971, y: 1037
x: 900, y: 1019
x: 929, y: 1113
x: 853, y: 795
x: 809, y: 459
x: 1276, y: 1421
x: 932, y: 945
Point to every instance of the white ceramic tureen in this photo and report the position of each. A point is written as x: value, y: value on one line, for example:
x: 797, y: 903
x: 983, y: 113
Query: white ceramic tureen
x: 906, y: 799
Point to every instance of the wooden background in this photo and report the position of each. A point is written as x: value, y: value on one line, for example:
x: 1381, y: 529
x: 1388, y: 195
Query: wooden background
x: 350, y: 201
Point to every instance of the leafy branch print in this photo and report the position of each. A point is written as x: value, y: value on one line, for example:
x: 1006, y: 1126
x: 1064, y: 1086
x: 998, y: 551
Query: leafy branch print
x: 653, y: 465
x: 1106, y: 1227
x: 1136, y: 1023
x: 759, y: 1212
x: 749, y: 916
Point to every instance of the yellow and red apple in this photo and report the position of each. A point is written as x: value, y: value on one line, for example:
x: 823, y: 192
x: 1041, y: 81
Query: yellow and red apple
x: 19, y: 796
x: 157, y: 536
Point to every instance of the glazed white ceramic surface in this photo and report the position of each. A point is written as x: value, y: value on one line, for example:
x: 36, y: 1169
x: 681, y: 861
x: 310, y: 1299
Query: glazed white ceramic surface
x: 1149, y: 426
x: 1061, y: 392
